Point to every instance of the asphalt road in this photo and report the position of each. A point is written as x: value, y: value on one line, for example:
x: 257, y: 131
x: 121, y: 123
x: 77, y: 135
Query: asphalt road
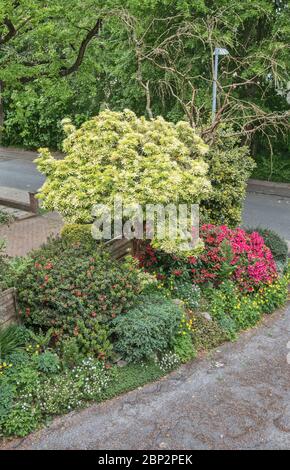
x: 17, y: 170
x: 237, y: 397
x: 268, y: 211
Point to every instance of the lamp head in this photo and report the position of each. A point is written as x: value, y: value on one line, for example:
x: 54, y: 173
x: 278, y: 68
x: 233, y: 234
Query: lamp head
x: 221, y: 51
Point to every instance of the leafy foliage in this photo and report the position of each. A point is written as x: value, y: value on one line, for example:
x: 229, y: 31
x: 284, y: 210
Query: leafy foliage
x: 235, y: 311
x: 70, y: 352
x: 48, y: 362
x: 118, y: 154
x: 183, y: 348
x: 39, y: 390
x: 78, y: 233
x: 69, y: 291
x: 71, y: 59
x: 10, y: 340
x: 147, y: 329
x: 207, y: 334
x: 230, y: 166
x: 273, y: 167
x: 5, y: 218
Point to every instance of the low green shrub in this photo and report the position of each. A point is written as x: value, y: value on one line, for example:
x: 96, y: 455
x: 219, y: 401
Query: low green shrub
x: 48, y: 363
x: 21, y: 419
x: 78, y: 234
x: 70, y: 352
x: 72, y: 389
x: 232, y: 310
x: 147, y: 329
x: 19, y: 358
x: 39, y: 341
x: 207, y: 334
x: 32, y: 393
x: 14, y: 269
x: 183, y: 347
x: 7, y: 392
x: 93, y: 338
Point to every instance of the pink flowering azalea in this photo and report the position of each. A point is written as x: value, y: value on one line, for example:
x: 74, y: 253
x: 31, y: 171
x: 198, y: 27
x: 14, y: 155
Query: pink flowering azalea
x: 228, y: 254
x: 251, y: 261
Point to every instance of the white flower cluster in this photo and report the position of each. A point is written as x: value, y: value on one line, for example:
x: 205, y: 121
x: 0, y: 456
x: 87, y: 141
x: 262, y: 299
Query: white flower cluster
x: 168, y: 361
x: 93, y: 377
x: 71, y: 390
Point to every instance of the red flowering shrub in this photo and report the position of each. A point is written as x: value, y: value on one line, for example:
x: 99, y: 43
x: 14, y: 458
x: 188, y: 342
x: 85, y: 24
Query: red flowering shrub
x: 234, y: 254
x: 64, y: 285
x: 228, y: 254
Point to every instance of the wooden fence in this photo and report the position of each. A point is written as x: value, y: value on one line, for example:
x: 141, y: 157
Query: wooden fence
x: 8, y: 313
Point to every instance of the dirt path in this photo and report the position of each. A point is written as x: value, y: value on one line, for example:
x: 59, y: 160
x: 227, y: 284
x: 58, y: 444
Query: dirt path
x: 238, y: 397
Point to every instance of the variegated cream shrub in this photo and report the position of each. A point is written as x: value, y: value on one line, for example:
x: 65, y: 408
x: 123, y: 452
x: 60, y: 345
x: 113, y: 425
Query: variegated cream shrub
x: 117, y: 153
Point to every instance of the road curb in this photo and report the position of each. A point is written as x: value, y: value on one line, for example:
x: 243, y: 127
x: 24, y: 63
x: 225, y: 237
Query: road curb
x: 19, y: 199
x: 269, y: 188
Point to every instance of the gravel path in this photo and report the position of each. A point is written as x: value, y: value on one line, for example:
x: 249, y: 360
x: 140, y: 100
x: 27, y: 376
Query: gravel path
x: 237, y: 397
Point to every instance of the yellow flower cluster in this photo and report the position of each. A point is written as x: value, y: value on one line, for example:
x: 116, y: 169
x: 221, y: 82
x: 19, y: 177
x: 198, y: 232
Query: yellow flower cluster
x: 33, y: 349
x: 186, y: 326
x: 3, y: 367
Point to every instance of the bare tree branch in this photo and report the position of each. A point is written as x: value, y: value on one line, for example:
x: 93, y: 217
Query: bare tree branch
x: 11, y: 31
x: 94, y: 32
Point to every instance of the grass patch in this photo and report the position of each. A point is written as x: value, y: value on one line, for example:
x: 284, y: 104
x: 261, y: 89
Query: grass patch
x: 132, y: 376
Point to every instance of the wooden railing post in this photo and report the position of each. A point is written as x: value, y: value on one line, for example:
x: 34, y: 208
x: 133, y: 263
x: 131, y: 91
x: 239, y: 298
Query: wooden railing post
x: 33, y: 202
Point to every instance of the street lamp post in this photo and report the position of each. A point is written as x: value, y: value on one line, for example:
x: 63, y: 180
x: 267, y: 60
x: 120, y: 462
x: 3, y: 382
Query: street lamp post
x: 217, y: 52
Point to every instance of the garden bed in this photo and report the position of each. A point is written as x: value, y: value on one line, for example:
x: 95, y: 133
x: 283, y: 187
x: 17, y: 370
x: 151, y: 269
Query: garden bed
x: 93, y: 327
x: 95, y: 322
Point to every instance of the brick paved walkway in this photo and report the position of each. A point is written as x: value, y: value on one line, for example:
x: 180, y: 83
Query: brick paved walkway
x: 25, y: 235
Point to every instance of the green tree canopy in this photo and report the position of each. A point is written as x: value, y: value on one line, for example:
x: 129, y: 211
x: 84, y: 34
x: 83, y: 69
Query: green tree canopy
x: 62, y: 58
